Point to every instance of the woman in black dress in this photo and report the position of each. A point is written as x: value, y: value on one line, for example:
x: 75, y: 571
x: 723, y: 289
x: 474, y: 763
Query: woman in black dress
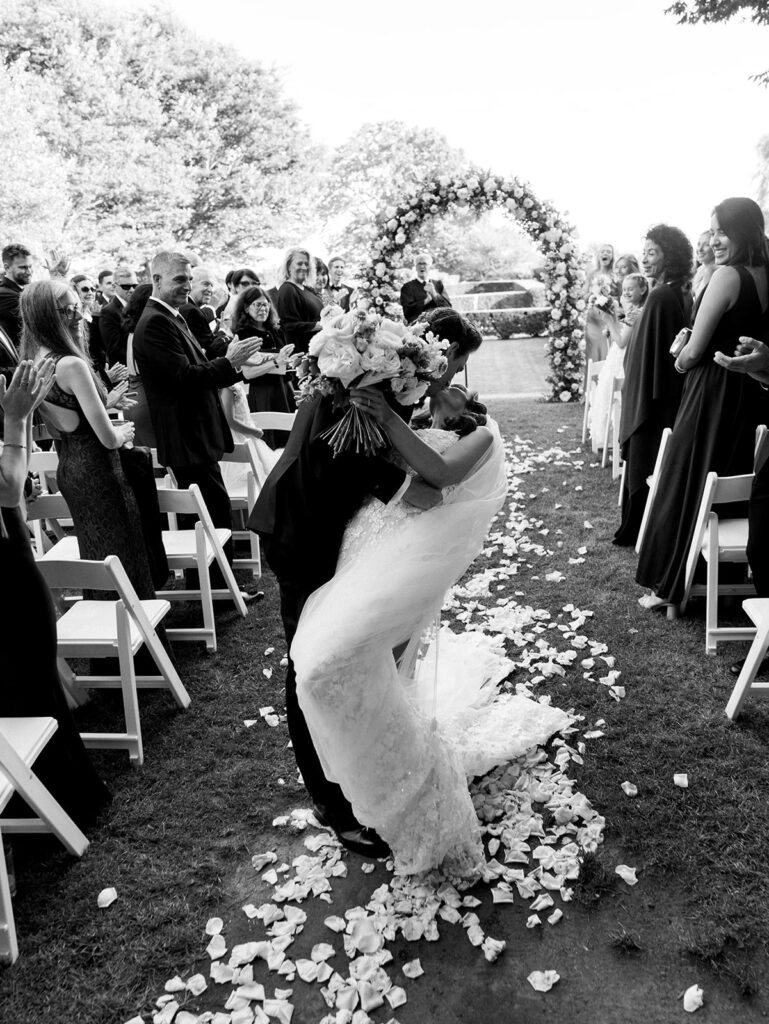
x: 268, y: 386
x: 90, y: 476
x: 298, y: 304
x: 716, y: 423
x: 29, y: 680
x: 652, y: 389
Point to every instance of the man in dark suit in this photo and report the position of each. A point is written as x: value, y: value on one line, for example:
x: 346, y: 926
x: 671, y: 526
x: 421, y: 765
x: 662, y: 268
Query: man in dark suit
x: 113, y: 335
x: 422, y: 294
x: 182, y: 387
x: 301, y: 515
x: 340, y: 291
x: 215, y: 342
x: 17, y: 269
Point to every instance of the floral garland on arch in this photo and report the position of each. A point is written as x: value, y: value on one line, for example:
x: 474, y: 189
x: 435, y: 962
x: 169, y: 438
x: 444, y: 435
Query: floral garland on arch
x: 399, y: 226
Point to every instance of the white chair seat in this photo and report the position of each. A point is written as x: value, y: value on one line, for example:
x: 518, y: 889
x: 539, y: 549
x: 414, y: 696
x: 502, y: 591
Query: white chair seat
x: 732, y: 541
x: 67, y: 550
x: 27, y: 736
x: 182, y: 544
x: 93, y: 623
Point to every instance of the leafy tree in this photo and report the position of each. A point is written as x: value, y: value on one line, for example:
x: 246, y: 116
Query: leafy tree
x: 160, y: 135
x: 693, y: 12
x: 372, y: 170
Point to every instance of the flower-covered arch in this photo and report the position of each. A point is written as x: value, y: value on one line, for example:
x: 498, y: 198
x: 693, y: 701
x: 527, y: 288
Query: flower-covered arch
x: 399, y: 226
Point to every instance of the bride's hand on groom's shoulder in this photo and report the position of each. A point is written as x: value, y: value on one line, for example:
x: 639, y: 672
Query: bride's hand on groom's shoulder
x: 422, y: 495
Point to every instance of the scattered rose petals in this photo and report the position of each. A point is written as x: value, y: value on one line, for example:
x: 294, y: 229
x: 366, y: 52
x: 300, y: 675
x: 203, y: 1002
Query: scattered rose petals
x: 681, y: 779
x: 106, y: 898
x: 629, y: 789
x: 413, y: 969
x: 214, y: 925
x: 543, y: 981
x: 217, y: 947
x: 196, y: 985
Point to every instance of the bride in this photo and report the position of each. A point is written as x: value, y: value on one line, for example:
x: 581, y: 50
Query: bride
x: 401, y: 714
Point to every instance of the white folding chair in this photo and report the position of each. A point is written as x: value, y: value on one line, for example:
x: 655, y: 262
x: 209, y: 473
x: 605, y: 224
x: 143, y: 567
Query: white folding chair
x: 49, y: 513
x: 243, y: 493
x: 197, y: 549
x: 101, y: 629
x: 622, y: 478
x: 653, y: 482
x: 273, y: 421
x: 719, y: 540
x: 21, y: 741
x: 611, y: 427
x: 594, y: 367
x: 45, y: 465
x: 757, y: 609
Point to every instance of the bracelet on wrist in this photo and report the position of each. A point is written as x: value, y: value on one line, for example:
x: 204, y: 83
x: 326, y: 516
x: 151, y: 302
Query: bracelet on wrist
x: 13, y: 444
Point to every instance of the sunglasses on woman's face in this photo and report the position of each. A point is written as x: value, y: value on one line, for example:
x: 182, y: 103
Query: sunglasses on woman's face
x: 85, y: 290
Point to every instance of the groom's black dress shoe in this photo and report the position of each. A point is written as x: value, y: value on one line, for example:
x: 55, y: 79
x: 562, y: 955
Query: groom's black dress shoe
x: 356, y: 838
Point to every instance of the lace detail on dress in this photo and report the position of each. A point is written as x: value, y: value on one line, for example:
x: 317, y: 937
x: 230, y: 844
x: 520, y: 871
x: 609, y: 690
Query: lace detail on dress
x: 375, y: 519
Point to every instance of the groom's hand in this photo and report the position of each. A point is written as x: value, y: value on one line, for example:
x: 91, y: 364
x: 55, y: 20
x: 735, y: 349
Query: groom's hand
x: 422, y: 495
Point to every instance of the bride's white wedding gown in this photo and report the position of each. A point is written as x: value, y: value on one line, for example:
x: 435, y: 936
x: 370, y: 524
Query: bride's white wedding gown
x: 402, y: 739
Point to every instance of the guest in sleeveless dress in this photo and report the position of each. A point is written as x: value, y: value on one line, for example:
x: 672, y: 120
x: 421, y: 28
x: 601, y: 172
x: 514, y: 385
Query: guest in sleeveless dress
x: 268, y: 387
x: 715, y: 427
x: 29, y: 680
x: 596, y: 345
x: 90, y: 476
x: 652, y: 389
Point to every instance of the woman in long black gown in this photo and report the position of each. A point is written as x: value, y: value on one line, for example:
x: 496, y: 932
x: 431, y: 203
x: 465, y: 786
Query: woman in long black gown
x: 715, y: 427
x: 29, y: 680
x: 652, y: 389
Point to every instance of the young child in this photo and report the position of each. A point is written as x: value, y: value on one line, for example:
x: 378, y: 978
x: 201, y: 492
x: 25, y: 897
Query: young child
x: 619, y: 326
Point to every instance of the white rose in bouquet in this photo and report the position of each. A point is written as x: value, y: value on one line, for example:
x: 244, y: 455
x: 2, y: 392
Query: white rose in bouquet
x: 408, y: 390
x: 340, y: 359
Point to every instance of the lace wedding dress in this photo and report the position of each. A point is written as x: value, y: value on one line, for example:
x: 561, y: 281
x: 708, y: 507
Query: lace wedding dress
x: 401, y: 738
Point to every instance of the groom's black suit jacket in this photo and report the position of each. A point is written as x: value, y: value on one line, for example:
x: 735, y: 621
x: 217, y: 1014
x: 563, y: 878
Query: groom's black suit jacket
x: 310, y: 496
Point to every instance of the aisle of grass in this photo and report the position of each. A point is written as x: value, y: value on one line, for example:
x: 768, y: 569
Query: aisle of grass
x: 182, y: 825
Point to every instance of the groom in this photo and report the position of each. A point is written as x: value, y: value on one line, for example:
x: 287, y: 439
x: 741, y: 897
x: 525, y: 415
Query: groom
x: 301, y: 515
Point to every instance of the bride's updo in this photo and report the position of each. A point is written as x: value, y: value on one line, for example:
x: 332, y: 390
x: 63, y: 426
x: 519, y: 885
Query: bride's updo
x: 472, y: 416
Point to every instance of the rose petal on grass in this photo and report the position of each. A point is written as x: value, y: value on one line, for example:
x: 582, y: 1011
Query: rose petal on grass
x: 629, y: 789
x: 693, y: 998
x: 217, y: 947
x: 681, y: 779
x: 543, y: 981
x: 413, y: 969
x: 106, y: 898
x: 214, y: 925
x: 627, y: 874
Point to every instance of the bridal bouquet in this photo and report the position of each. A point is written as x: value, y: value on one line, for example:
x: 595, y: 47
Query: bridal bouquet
x: 359, y: 349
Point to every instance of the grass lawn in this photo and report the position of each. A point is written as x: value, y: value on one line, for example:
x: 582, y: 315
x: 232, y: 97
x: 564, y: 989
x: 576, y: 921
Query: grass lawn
x: 181, y: 828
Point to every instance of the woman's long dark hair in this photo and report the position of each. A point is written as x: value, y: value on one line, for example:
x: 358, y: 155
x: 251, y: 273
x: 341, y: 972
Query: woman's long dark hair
x: 240, y: 317
x: 742, y: 221
x: 134, y: 307
x: 677, y: 251
x: 42, y: 322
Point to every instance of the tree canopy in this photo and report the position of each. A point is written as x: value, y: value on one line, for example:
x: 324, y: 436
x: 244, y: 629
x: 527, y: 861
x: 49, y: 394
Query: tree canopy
x: 142, y: 132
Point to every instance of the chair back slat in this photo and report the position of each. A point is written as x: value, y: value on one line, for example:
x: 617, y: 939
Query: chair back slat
x: 48, y: 506
x: 732, y: 488
x: 62, y: 574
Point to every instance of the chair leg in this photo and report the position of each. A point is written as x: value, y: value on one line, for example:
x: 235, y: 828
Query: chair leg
x: 606, y: 429
x: 206, y: 595
x: 9, y: 946
x: 615, y: 457
x: 128, y: 687
x: 750, y: 667
x: 167, y: 670
x: 711, y: 590
x: 229, y: 578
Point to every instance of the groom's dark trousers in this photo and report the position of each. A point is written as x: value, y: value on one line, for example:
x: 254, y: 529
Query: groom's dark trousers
x: 300, y: 516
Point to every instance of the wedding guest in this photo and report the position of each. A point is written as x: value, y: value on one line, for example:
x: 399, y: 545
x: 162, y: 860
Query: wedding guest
x: 299, y: 305
x: 715, y: 427
x: 106, y: 289
x: 202, y: 294
x: 29, y: 679
x: 321, y: 282
x: 422, y: 293
x: 340, y: 292
x: 113, y: 335
x: 213, y: 342
x: 228, y: 285
x: 598, y: 281
x: 90, y: 475
x: 652, y: 389
x: 139, y: 412
x: 619, y: 326
x: 17, y: 269
x: 268, y: 388
x: 624, y: 265
x: 182, y: 387
x: 706, y: 264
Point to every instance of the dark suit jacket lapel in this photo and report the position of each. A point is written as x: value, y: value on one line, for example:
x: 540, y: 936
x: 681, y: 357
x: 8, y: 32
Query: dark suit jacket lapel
x: 198, y: 354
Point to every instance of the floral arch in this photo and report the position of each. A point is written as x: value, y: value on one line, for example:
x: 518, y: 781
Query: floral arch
x: 399, y: 226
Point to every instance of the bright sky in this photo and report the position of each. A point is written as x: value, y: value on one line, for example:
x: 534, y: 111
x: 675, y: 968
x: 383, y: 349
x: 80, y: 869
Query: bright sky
x: 609, y: 108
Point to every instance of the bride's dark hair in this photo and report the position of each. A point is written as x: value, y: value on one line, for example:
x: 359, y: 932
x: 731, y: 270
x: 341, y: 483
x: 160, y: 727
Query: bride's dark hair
x: 472, y: 416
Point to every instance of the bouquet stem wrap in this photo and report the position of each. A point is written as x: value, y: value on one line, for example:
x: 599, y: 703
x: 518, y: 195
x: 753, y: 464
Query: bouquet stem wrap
x: 355, y: 432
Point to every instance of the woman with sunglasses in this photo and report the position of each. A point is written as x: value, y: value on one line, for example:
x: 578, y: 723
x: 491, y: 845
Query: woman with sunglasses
x: 268, y: 391
x: 90, y: 476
